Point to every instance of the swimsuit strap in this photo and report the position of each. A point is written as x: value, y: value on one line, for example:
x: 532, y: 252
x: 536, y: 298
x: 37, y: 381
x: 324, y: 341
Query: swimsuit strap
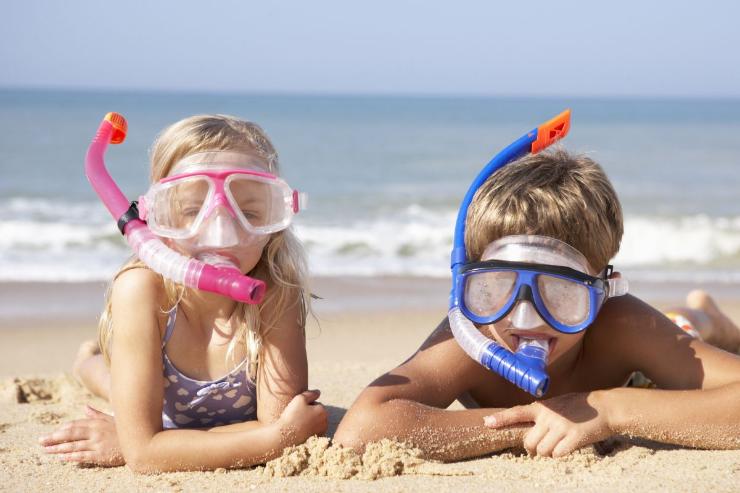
x: 170, y: 326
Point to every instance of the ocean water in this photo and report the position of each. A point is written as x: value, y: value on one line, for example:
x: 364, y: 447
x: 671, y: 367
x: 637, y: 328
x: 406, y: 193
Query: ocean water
x: 384, y: 176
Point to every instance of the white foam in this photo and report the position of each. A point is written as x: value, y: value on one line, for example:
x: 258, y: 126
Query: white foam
x: 54, y: 241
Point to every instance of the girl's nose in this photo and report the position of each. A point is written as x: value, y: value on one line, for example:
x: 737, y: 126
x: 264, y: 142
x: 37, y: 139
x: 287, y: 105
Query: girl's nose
x: 525, y: 317
x: 220, y: 230
x: 220, y: 204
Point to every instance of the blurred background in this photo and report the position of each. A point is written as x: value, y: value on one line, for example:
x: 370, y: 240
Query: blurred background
x: 383, y: 113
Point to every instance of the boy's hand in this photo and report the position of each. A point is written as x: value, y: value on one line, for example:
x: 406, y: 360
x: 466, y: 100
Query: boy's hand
x: 302, y: 418
x: 561, y: 424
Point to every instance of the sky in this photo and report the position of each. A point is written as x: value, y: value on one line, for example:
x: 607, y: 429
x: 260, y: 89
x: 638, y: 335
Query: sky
x: 468, y: 48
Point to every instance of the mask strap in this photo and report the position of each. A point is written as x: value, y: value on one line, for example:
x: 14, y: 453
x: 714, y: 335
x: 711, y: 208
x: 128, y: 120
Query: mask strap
x: 615, y: 287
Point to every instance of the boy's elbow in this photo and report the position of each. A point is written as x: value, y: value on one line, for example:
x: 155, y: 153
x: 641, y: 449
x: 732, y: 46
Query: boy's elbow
x: 360, y: 426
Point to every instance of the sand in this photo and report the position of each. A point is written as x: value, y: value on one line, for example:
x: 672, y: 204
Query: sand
x: 358, y: 319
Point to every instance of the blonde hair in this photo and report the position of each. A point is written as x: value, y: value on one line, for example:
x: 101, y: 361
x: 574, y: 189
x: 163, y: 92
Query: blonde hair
x: 555, y: 194
x: 282, y: 265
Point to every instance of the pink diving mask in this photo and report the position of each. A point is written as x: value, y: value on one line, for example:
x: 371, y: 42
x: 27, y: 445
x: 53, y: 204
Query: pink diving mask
x: 219, y: 199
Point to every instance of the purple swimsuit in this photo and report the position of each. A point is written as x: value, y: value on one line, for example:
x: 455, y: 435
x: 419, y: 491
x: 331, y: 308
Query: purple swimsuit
x: 190, y: 403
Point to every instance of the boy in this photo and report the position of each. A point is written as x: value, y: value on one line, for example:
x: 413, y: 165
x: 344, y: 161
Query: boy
x: 557, y: 199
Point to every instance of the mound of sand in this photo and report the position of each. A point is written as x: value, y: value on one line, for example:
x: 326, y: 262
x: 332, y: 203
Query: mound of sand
x: 319, y: 457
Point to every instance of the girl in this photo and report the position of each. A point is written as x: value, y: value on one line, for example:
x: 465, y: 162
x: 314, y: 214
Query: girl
x: 198, y: 380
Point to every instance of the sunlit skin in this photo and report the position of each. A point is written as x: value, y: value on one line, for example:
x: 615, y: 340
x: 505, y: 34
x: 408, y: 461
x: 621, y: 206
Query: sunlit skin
x: 586, y: 401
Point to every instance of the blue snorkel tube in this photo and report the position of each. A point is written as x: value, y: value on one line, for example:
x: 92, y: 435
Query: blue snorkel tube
x: 526, y: 367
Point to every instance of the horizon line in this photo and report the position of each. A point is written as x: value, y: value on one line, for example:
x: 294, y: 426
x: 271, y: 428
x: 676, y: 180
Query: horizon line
x: 360, y: 94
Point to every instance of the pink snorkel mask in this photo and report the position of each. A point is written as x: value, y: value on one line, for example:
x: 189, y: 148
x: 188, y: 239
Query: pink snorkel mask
x: 226, y: 279
x: 218, y: 200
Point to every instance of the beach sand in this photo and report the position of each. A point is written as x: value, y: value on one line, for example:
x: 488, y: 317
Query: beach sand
x: 366, y: 327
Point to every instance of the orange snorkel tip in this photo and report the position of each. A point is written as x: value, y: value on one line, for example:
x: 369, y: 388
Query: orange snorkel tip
x: 120, y: 127
x: 551, y: 130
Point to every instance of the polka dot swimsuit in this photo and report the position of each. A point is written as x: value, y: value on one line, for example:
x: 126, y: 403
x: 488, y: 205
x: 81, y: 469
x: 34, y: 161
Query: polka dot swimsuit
x: 190, y: 403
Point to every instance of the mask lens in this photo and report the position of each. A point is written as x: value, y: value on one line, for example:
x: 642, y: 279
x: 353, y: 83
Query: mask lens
x: 567, y: 301
x: 487, y: 293
x: 261, y: 203
x: 177, y: 206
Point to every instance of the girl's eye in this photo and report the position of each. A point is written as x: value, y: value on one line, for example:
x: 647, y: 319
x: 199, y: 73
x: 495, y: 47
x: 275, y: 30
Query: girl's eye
x: 190, y: 211
x: 250, y: 214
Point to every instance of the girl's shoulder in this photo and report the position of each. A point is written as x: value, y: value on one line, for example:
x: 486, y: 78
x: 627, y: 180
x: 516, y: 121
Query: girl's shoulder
x: 139, y: 281
x: 139, y: 291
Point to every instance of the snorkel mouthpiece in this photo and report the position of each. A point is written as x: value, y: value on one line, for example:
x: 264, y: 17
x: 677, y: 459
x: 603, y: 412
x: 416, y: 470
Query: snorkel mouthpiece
x: 526, y: 367
x: 224, y: 280
x: 228, y: 279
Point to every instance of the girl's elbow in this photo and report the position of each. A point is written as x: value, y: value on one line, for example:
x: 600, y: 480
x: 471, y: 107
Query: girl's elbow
x: 140, y: 466
x: 139, y: 462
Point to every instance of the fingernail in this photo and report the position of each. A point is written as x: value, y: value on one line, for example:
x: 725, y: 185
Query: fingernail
x: 489, y: 420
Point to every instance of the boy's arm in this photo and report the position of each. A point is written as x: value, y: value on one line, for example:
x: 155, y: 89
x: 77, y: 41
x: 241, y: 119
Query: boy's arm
x: 409, y: 404
x: 699, y: 405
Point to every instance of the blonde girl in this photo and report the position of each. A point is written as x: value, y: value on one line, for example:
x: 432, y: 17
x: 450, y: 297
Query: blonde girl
x: 197, y: 380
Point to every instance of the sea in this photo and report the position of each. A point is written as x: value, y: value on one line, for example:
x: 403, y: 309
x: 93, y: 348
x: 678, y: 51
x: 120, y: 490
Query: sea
x: 384, y: 176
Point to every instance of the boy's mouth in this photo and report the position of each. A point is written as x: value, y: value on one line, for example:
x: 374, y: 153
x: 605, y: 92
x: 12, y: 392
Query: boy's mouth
x: 519, y: 335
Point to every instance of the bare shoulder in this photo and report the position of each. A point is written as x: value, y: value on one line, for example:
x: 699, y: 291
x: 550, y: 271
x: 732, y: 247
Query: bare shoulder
x: 631, y: 335
x: 625, y: 320
x: 138, y: 283
x: 137, y: 297
x: 287, y: 322
x: 435, y: 375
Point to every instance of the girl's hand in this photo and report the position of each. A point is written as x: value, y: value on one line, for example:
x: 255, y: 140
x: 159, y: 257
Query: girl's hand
x: 86, y: 441
x: 302, y: 418
x: 561, y: 424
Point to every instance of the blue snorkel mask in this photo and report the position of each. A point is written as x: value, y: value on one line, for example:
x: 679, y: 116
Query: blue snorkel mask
x: 556, y: 289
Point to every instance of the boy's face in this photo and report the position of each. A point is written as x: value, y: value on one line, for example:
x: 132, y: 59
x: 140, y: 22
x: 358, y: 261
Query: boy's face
x: 565, y: 299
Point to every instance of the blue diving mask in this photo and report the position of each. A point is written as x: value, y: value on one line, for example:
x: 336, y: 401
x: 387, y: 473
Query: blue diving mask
x: 550, y: 275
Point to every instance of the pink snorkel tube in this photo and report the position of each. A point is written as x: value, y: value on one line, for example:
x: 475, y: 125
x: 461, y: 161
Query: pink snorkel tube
x: 148, y: 247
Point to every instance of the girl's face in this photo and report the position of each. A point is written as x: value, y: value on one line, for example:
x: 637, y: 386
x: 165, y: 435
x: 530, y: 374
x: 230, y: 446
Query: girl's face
x: 215, y: 195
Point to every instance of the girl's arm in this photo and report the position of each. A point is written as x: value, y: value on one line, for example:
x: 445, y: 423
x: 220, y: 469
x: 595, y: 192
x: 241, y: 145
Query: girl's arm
x: 137, y: 392
x: 409, y: 404
x: 282, y: 373
x: 283, y: 366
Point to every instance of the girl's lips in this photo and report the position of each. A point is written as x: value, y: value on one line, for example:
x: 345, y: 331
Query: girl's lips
x: 220, y: 259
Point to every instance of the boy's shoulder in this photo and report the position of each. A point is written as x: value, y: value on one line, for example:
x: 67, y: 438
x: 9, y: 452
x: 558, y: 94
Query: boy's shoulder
x: 628, y: 335
x: 626, y: 319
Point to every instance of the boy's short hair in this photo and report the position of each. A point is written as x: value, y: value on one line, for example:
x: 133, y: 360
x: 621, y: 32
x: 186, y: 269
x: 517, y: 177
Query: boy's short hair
x: 555, y: 194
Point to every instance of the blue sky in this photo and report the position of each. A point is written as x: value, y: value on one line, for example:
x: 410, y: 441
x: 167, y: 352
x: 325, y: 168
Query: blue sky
x: 564, y: 48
